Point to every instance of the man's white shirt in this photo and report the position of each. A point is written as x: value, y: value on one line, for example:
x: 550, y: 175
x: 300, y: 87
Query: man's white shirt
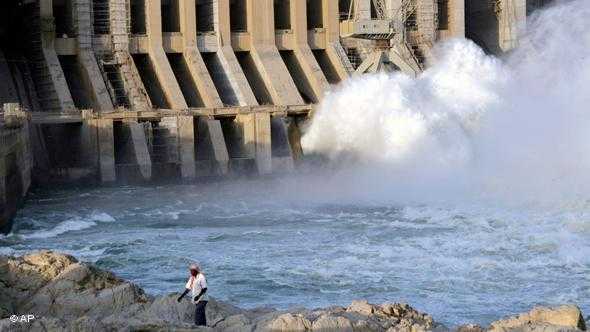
x: 196, y: 284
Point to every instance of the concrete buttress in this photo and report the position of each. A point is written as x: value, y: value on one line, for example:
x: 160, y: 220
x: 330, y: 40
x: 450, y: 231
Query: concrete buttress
x: 272, y: 69
x: 211, y: 144
x: 512, y: 19
x: 134, y: 88
x: 193, y: 59
x: 92, y: 75
x: 139, y: 149
x: 106, y: 149
x: 307, y: 61
x: 263, y: 143
x: 456, y: 20
x: 57, y: 87
x: 334, y: 49
x: 89, y: 142
x: 161, y: 66
x: 236, y: 79
x: 282, y: 153
x: 180, y: 143
x: 186, y: 145
x: 256, y: 135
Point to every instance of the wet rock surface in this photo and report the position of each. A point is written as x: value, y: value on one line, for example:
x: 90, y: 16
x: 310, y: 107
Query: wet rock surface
x: 66, y: 295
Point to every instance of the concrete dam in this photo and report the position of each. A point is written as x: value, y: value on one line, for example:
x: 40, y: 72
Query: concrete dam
x: 118, y: 90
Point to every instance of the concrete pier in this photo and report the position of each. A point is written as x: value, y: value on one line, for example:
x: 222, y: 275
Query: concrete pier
x: 256, y: 140
x: 211, y: 148
x: 282, y: 153
x: 140, y: 149
x: 495, y: 26
x: 106, y: 149
x: 88, y: 142
x: 186, y: 146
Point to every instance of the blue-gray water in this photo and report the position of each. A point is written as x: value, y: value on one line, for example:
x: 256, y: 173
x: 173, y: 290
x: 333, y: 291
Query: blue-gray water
x: 261, y: 245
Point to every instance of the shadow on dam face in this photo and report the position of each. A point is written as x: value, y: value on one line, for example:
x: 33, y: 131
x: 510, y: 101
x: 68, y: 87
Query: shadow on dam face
x: 13, y: 187
x: 170, y: 17
x: 63, y: 145
x: 315, y: 19
x: 185, y: 81
x: 240, y: 152
x: 254, y: 78
x: 63, y: 17
x: 137, y: 17
x: 282, y: 14
x: 220, y: 79
x: 150, y: 80
x: 301, y: 81
x: 205, y: 10
x: 76, y: 81
x: 326, y: 65
x: 238, y: 15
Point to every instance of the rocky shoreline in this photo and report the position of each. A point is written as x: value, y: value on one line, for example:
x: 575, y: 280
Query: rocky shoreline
x: 64, y: 294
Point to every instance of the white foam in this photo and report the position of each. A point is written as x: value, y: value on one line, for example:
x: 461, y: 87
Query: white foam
x: 6, y: 251
x: 87, y: 253
x: 63, y: 227
x: 471, y: 126
x: 72, y: 224
x: 101, y: 217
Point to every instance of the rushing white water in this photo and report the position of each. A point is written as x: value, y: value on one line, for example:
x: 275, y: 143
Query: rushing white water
x: 473, y: 126
x: 72, y: 224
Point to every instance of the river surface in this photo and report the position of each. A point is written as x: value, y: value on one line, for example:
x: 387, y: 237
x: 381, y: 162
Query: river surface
x: 262, y: 245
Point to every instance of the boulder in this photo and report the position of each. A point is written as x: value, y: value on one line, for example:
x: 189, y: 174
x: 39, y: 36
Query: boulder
x: 217, y: 311
x: 86, y: 324
x: 235, y: 323
x: 469, y: 328
x: 42, y: 324
x: 81, y: 290
x: 23, y: 276
x: 362, y: 307
x: 168, y: 308
x: 328, y: 323
x: 362, y: 325
x: 284, y: 322
x: 562, y: 318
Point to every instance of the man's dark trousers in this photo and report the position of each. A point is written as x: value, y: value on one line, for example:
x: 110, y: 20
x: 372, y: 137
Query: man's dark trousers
x: 200, y: 318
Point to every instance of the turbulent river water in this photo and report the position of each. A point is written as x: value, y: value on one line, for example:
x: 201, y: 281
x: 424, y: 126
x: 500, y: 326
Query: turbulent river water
x: 270, y: 243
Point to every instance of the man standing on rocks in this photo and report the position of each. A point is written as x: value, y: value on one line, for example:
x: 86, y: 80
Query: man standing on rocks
x: 197, y: 285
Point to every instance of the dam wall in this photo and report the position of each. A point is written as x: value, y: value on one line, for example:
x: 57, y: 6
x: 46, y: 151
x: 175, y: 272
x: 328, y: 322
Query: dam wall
x: 16, y: 162
x: 142, y: 90
x: 137, y: 89
x: 129, y: 90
